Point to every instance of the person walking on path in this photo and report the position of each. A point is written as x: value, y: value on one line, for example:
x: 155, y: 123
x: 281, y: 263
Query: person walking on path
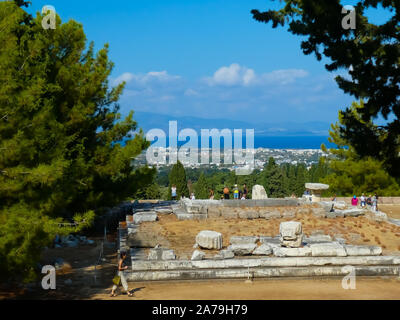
x: 226, y: 193
x: 120, y: 278
x: 354, y: 201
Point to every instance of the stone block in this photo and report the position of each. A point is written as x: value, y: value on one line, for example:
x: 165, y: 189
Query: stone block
x: 141, y: 217
x: 244, y: 214
x: 377, y: 216
x: 315, y: 238
x: 163, y: 210
x: 209, y: 240
x: 243, y: 240
x: 352, y: 250
x: 242, y: 249
x: 224, y: 254
x: 184, y: 216
x: 161, y: 254
x: 263, y: 250
x: 330, y: 249
x: 214, y: 212
x: 198, y: 255
x: 270, y: 240
x: 258, y: 193
x: 354, y: 212
x: 292, y: 252
x: 326, y: 205
x: 291, y: 234
x: 273, y: 214
x: 341, y: 205
x: 229, y: 213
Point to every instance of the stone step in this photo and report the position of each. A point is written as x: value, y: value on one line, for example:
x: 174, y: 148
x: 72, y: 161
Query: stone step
x: 265, y: 263
x: 245, y: 273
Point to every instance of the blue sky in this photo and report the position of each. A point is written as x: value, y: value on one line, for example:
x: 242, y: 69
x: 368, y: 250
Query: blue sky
x: 207, y: 59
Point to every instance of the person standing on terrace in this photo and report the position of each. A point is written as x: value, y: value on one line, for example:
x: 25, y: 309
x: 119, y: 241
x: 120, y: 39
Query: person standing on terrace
x: 354, y: 201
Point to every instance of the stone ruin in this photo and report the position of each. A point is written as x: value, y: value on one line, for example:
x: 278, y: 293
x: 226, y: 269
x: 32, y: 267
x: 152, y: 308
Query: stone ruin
x: 258, y: 193
x: 290, y: 253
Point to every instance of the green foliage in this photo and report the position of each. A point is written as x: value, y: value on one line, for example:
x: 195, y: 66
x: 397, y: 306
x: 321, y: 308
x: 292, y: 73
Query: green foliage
x: 352, y: 174
x: 371, y: 55
x: 61, y: 137
x: 177, y: 177
x: 273, y: 180
x: 201, y: 188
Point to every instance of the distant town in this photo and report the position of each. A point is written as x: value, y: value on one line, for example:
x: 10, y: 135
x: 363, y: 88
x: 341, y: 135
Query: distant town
x: 308, y: 157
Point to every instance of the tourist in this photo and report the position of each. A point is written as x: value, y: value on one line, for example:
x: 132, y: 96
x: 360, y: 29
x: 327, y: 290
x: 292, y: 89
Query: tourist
x: 173, y: 192
x: 192, y: 197
x: 236, y: 192
x: 354, y: 201
x: 369, y: 201
x: 226, y: 193
x: 334, y: 198
x: 245, y: 191
x: 363, y: 200
x: 375, y: 202
x: 120, y: 278
x: 211, y: 194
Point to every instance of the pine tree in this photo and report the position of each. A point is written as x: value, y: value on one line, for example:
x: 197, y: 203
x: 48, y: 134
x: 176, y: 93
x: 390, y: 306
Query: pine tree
x: 301, y: 179
x: 292, y: 180
x: 369, y: 54
x: 62, y: 155
x: 177, y: 177
x: 273, y: 180
x: 201, y: 188
x: 351, y: 174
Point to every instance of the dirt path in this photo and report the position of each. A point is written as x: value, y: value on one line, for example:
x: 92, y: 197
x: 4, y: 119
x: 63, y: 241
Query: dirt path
x: 292, y: 289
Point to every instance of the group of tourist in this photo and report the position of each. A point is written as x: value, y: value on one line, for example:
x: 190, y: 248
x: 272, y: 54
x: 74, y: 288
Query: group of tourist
x: 371, y: 201
x: 237, y: 193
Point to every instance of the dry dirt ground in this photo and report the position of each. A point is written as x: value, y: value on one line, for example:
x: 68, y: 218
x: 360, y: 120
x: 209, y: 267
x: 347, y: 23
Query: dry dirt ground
x: 392, y: 210
x: 76, y: 280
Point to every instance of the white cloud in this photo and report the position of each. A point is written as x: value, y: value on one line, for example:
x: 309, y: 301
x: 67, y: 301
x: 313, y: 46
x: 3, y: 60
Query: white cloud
x: 232, y: 76
x: 143, y: 79
x: 284, y: 76
x: 236, y: 75
x: 127, y: 77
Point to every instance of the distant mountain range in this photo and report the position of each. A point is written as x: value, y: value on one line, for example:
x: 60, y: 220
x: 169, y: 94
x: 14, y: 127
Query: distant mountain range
x: 148, y: 121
